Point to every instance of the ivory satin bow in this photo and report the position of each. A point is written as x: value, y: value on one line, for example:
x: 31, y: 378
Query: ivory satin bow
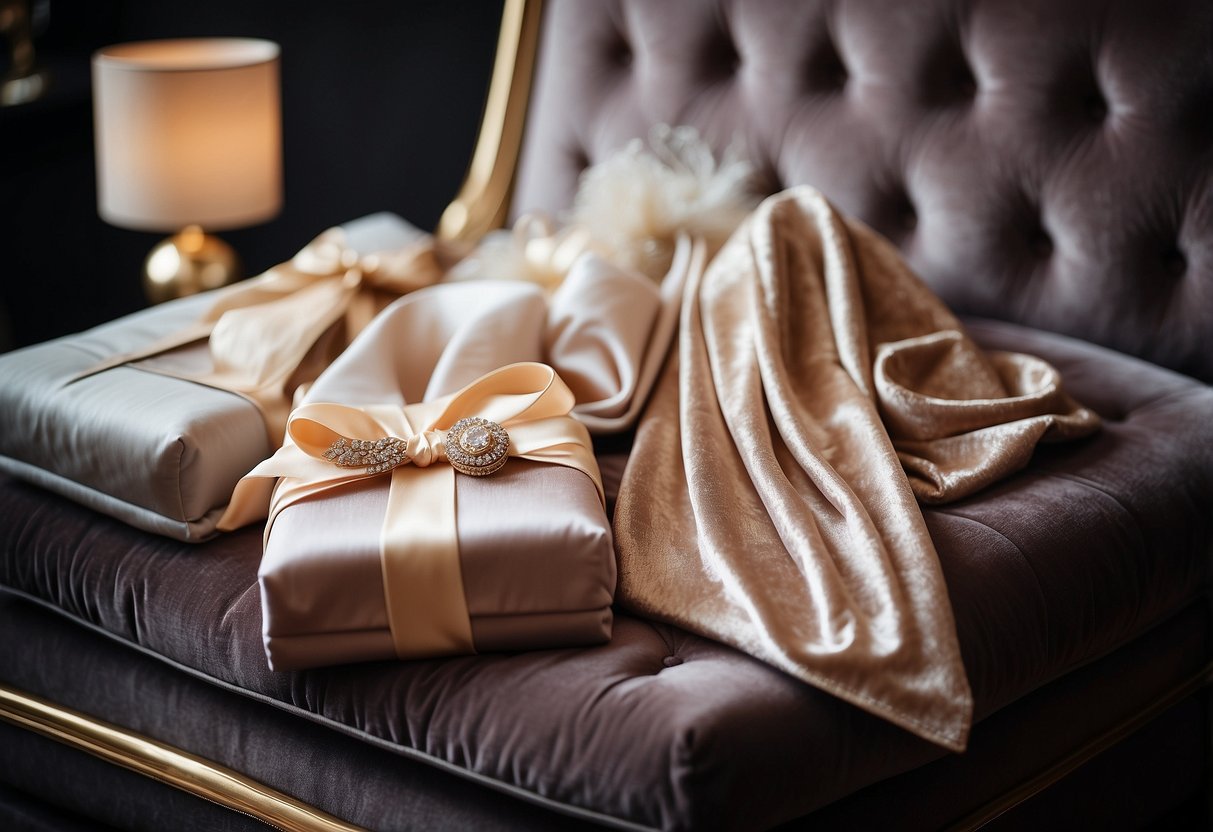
x: 261, y: 333
x: 533, y: 251
x: 423, y: 586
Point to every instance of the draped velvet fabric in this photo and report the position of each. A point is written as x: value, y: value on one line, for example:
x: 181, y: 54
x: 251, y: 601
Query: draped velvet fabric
x: 765, y: 502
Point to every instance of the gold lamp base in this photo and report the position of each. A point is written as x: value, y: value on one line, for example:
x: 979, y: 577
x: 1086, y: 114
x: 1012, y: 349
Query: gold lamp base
x: 189, y: 262
x: 21, y: 89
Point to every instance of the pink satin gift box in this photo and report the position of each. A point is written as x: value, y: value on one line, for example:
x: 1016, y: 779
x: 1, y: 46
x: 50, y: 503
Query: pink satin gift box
x: 532, y: 541
x: 534, y: 544
x: 535, y: 550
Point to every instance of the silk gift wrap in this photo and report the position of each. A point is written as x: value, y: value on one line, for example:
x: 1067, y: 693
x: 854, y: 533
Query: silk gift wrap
x: 159, y: 452
x: 535, y: 556
x: 408, y: 558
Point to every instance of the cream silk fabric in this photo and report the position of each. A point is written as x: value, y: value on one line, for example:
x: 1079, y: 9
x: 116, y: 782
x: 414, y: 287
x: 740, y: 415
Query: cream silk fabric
x: 609, y: 330
x: 609, y: 327
x: 765, y: 503
x: 159, y: 452
x: 158, y: 445
x: 269, y: 334
x: 422, y: 581
x: 530, y: 578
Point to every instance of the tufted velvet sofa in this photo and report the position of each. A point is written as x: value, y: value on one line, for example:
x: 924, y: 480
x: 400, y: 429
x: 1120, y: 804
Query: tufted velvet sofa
x: 1048, y: 169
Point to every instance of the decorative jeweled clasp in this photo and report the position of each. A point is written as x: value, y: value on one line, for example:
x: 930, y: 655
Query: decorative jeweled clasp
x: 376, y: 456
x: 476, y: 446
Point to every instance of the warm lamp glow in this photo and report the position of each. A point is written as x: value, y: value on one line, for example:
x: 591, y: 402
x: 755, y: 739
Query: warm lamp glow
x: 189, y: 136
x: 188, y: 132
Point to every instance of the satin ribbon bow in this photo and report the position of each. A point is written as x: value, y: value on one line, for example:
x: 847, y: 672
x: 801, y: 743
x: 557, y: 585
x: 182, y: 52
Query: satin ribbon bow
x: 423, y: 585
x: 533, y: 251
x: 261, y: 332
x: 550, y: 255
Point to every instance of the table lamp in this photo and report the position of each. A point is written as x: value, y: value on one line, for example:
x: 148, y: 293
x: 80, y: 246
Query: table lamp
x: 188, y: 138
x: 24, y: 81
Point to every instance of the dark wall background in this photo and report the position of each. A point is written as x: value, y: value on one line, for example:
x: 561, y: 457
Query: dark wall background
x: 381, y: 101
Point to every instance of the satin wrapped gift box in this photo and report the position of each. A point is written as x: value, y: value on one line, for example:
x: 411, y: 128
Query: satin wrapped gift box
x: 163, y: 453
x: 408, y: 558
x: 535, y: 554
x: 155, y: 451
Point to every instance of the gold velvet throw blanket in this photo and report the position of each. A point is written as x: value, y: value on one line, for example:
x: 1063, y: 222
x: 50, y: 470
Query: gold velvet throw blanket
x: 817, y: 389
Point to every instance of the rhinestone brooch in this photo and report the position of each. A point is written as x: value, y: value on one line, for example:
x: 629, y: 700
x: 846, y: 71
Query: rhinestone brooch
x: 477, y: 447
x: 376, y: 456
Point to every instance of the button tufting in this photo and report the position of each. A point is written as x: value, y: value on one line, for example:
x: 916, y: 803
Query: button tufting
x: 899, y: 211
x: 961, y: 80
x: 767, y: 179
x: 825, y: 70
x: 947, y: 78
x: 726, y: 55
x: 671, y: 661
x: 1174, y: 263
x: 1075, y: 92
x: 1096, y: 107
x: 621, y: 54
x: 1040, y: 243
x: 581, y: 159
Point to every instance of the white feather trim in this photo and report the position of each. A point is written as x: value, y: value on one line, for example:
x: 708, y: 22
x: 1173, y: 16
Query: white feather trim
x: 636, y: 201
x: 630, y: 208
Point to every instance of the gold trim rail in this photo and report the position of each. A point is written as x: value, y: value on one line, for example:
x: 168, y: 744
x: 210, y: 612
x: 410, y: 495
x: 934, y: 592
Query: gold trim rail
x: 483, y: 200
x: 165, y: 763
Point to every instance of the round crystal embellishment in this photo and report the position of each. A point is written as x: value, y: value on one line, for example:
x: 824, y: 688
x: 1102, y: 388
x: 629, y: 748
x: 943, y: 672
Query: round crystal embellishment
x: 476, y: 446
x: 476, y: 440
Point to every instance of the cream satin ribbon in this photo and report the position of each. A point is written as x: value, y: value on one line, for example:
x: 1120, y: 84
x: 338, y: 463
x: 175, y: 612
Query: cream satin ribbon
x: 550, y: 255
x: 533, y: 251
x: 261, y: 331
x: 422, y: 580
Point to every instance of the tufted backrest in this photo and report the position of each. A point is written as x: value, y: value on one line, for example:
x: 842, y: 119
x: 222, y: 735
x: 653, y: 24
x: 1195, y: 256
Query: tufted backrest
x: 1048, y: 162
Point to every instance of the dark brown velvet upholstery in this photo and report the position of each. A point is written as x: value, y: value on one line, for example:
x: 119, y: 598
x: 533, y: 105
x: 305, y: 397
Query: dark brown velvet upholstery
x: 1088, y: 549
x: 88, y: 795
x: 1048, y: 164
x: 1045, y: 163
x: 366, y: 782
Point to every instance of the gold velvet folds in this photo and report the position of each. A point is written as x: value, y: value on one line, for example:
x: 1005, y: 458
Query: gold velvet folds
x: 765, y: 503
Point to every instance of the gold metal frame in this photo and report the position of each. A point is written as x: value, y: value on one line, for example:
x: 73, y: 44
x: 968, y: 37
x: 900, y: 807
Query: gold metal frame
x: 483, y: 201
x: 165, y: 763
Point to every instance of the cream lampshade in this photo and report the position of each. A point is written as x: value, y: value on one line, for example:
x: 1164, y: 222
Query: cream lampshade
x: 188, y: 138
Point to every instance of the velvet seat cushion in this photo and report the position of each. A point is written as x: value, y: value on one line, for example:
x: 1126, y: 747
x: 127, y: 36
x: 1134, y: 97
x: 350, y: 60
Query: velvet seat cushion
x: 373, y: 783
x: 1092, y: 545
